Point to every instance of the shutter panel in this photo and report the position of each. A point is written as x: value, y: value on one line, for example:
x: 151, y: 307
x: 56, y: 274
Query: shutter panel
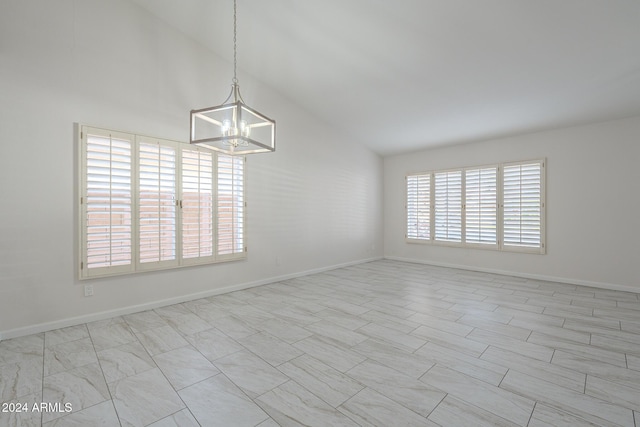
x: 197, y: 204
x: 157, y: 207
x: 448, y: 206
x: 230, y: 205
x: 107, y: 202
x: 481, y: 206
x: 419, y: 207
x: 523, y: 205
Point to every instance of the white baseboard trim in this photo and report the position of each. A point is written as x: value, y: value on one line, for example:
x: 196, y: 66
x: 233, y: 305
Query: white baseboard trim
x: 78, y: 320
x: 568, y: 280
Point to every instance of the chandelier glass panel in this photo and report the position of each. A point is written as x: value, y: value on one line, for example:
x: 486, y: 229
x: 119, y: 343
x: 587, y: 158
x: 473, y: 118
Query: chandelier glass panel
x: 233, y: 127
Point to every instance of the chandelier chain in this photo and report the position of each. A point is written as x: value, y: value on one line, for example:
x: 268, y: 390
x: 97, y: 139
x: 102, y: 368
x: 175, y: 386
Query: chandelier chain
x: 235, y: 47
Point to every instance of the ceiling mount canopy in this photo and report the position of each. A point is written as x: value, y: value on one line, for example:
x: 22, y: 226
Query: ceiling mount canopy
x: 233, y: 127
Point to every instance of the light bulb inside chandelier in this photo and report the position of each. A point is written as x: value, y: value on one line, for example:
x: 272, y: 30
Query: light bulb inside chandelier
x: 233, y: 127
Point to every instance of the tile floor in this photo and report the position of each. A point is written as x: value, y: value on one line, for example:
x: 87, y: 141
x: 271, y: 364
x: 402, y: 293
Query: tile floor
x: 383, y: 343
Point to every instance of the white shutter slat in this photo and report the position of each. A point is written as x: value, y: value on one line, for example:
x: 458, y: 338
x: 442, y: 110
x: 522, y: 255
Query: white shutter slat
x: 107, y: 221
x: 448, y: 206
x: 230, y: 205
x: 523, y: 205
x: 419, y: 207
x: 157, y: 210
x: 481, y: 206
x: 197, y: 204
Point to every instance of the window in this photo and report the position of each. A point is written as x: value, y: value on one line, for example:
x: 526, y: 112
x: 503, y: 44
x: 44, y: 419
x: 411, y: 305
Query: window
x: 500, y: 207
x: 481, y: 206
x: 149, y: 204
x: 523, y: 205
x: 419, y: 206
x: 448, y: 204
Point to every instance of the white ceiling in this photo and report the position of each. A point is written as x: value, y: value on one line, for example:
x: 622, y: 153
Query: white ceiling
x: 403, y: 75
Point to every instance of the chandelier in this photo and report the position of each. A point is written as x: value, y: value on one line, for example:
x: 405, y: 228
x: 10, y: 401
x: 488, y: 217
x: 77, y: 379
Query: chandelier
x: 233, y: 127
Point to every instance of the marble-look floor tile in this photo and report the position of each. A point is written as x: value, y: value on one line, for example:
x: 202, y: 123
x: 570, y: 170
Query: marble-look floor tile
x: 144, y: 398
x: 22, y: 348
x: 533, y: 318
x: 511, y: 330
x: 185, y: 366
x: 367, y: 337
x: 370, y: 408
x: 268, y: 423
x: 161, y: 340
x: 391, y: 336
x: 330, y: 330
x: 483, y: 370
x: 188, y: 324
x: 590, y: 408
x: 142, y: 321
x: 547, y: 416
x: 59, y: 336
x: 411, y: 364
x: 179, y: 419
x: 100, y: 415
x: 81, y: 387
x: 271, y: 349
x: 455, y: 412
x: 532, y: 350
x: 414, y: 394
x: 68, y: 355
x: 597, y: 368
x: 216, y: 401
x: 342, y: 319
x: 633, y: 362
x: 233, y: 327
x: 252, y: 374
x: 105, y: 335
x: 124, y: 361
x: 502, y: 403
x: 608, y: 356
x: 213, y: 344
x: 322, y: 380
x: 556, y: 331
x: 564, y: 376
x: 291, y: 405
x: 207, y: 312
x: 171, y: 311
x: 20, y: 379
x: 616, y: 393
x: 27, y: 418
x: 296, y: 315
x: 399, y: 324
x: 454, y: 342
x: 285, y: 330
x: 330, y: 352
x: 611, y: 343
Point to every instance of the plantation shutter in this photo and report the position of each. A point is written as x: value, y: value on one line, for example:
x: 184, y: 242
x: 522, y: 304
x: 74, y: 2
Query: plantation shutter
x: 197, y: 204
x: 448, y: 206
x: 106, y: 202
x: 157, y: 202
x: 481, y: 206
x: 230, y: 205
x: 419, y: 207
x: 523, y: 205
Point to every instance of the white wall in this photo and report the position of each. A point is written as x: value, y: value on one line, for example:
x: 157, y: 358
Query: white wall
x: 593, y: 204
x: 314, y: 203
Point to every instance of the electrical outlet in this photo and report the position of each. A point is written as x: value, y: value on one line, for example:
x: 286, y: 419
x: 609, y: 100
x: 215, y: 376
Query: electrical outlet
x: 88, y: 290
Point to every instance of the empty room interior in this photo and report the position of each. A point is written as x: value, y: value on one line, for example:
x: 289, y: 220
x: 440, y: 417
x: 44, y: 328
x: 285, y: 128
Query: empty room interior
x: 319, y: 213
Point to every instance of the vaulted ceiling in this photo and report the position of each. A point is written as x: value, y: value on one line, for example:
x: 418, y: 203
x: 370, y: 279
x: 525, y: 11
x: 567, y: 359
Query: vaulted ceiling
x: 403, y: 75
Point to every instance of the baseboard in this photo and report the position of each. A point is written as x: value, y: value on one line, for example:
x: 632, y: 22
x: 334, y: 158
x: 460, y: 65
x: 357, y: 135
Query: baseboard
x: 78, y: 320
x: 568, y: 280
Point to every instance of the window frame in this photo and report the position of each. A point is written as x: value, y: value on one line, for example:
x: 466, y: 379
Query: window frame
x: 135, y: 265
x: 500, y: 244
